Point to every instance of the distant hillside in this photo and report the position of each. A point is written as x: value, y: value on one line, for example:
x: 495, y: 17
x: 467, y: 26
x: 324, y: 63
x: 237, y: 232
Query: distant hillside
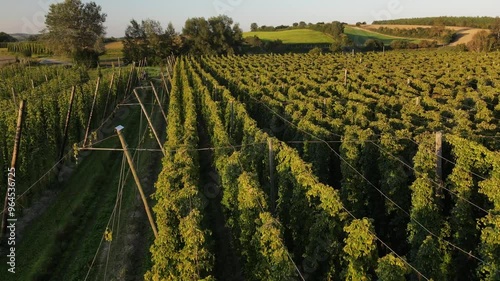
x: 476, y: 22
x: 22, y: 36
x: 4, y: 37
x: 359, y: 36
x: 294, y: 36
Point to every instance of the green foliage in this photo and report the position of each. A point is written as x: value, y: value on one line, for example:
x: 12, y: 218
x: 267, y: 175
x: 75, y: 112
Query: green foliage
x: 254, y: 41
x: 437, y: 32
x: 31, y: 48
x: 432, y: 260
x: 357, y: 153
x: 392, y: 268
x: 374, y: 45
x: 316, y: 51
x: 87, y: 58
x: 477, y: 22
x: 359, y: 36
x: 274, y: 253
x: 402, y: 44
x: 148, y: 40
x: 475, y: 157
x: 360, y: 250
x: 428, y: 252
x: 334, y: 29
x: 215, y: 36
x: 180, y: 251
x: 481, y: 42
x: 256, y: 234
x: 46, y: 109
x: 377, y: 106
x: 74, y: 27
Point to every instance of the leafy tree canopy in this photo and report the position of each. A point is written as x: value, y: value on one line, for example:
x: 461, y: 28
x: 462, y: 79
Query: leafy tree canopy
x: 215, y: 36
x: 74, y: 27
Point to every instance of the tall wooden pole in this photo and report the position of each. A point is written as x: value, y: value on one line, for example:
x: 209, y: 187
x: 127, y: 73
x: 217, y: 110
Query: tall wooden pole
x: 159, y: 101
x: 439, y: 156
x: 136, y: 178
x: 149, y: 122
x: 232, y: 119
x: 13, y: 163
x: 107, y: 96
x: 14, y: 96
x: 165, y: 84
x: 271, y: 176
x: 66, y: 124
x: 91, y: 112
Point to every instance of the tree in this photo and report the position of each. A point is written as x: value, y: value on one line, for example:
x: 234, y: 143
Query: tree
x: 254, y: 41
x: 340, y: 43
x: 495, y: 34
x: 302, y: 24
x: 215, y: 36
x: 316, y: 51
x: 135, y: 43
x: 254, y: 27
x: 149, y: 40
x: 336, y: 47
x: 197, y: 32
x: 75, y: 29
x: 374, y: 45
x: 495, y: 29
x: 226, y: 37
x: 295, y: 24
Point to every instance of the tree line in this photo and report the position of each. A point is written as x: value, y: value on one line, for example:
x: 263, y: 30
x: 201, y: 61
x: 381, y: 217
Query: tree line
x: 214, y: 36
x: 437, y: 32
x: 476, y: 22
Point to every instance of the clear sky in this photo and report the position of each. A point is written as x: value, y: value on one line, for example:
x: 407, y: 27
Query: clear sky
x: 27, y: 16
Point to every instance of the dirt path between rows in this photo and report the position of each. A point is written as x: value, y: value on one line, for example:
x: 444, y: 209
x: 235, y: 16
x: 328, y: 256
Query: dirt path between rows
x: 227, y: 263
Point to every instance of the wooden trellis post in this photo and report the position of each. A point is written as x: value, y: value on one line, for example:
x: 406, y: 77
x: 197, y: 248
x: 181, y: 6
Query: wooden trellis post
x: 13, y: 163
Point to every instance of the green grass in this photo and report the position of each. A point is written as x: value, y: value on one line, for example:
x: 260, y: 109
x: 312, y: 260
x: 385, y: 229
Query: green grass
x: 295, y: 36
x: 113, y: 51
x: 360, y: 36
x: 4, y: 52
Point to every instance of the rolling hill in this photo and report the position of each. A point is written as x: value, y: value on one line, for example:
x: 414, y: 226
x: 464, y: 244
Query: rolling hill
x: 359, y: 36
x: 464, y: 34
x: 295, y: 36
x: 307, y: 36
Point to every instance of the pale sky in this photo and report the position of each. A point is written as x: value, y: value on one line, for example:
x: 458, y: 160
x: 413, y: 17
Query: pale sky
x: 27, y: 16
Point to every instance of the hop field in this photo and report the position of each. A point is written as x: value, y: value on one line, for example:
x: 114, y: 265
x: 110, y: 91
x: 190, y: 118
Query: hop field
x: 287, y: 167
